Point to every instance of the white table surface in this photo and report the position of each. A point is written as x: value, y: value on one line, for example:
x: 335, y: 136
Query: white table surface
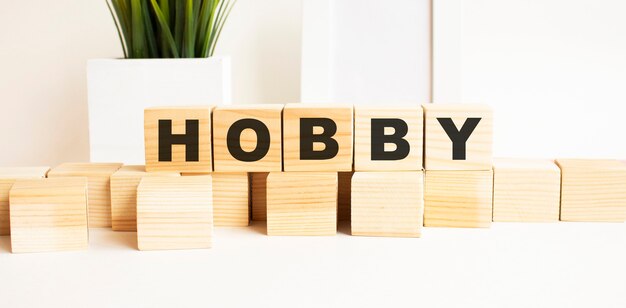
x: 513, y: 265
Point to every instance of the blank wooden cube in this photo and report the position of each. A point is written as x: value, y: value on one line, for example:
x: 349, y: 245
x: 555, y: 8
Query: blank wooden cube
x: 344, y: 193
x: 185, y: 144
x: 474, y: 147
x: 593, y: 190
x: 315, y: 155
x: 49, y: 215
x: 458, y: 198
x: 174, y: 212
x: 124, y: 195
x: 259, y: 195
x: 388, y: 203
x: 394, y: 128
x: 99, y: 175
x: 8, y: 176
x: 302, y: 203
x: 247, y: 138
x: 526, y: 190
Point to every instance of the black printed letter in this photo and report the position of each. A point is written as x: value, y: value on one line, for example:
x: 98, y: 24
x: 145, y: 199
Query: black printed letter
x: 233, y: 140
x: 307, y: 138
x: 458, y: 137
x: 379, y: 139
x: 190, y: 139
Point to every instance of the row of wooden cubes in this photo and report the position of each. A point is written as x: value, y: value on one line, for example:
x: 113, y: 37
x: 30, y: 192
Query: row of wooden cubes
x: 400, y: 203
x: 271, y: 137
x: 47, y: 209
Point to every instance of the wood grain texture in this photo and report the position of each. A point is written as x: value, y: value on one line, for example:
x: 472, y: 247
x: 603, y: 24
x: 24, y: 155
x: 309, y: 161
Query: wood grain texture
x: 99, y: 188
x: 593, y: 190
x: 259, y: 195
x: 526, y: 190
x: 174, y: 212
x: 49, y: 215
x: 344, y: 193
x: 302, y: 203
x: 223, y: 119
x: 438, y: 146
x: 124, y: 184
x: 231, y: 206
x: 178, y: 115
x: 388, y: 203
x: 458, y: 198
x: 8, y: 176
x: 341, y: 115
x: 411, y: 115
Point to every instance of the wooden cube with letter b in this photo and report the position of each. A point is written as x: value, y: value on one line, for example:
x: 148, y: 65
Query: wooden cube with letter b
x: 388, y: 138
x: 174, y: 212
x: 458, y: 137
x: 49, y: 214
x: 99, y: 176
x: 247, y: 138
x: 8, y: 176
x: 387, y: 203
x: 317, y: 137
x: 458, y: 198
x: 302, y: 203
x: 178, y: 139
x: 593, y: 190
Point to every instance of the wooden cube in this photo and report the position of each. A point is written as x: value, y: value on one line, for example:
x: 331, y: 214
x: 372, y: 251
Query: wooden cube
x: 302, y: 203
x: 471, y: 128
x: 49, y: 215
x: 247, y: 138
x: 174, y: 212
x: 99, y: 191
x: 8, y: 176
x: 458, y: 198
x: 526, y: 190
x: 259, y: 195
x: 317, y: 137
x: 593, y: 190
x: 178, y: 139
x: 388, y: 138
x: 344, y: 193
x: 388, y: 203
x: 124, y: 195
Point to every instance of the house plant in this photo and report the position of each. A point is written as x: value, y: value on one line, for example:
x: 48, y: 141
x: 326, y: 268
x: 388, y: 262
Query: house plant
x: 168, y: 48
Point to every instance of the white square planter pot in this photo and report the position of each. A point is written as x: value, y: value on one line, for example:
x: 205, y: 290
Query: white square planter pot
x: 120, y: 89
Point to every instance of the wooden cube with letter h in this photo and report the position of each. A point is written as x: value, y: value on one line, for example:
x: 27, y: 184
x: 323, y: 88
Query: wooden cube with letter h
x: 593, y: 190
x: 8, y: 176
x: 99, y: 189
x: 458, y: 137
x: 302, y: 203
x: 388, y: 138
x: 317, y: 137
x: 49, y: 214
x: 387, y: 203
x: 174, y: 212
x: 178, y: 139
x: 247, y: 138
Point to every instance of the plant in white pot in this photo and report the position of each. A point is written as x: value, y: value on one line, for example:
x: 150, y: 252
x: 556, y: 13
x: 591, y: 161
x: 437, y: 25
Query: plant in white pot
x: 168, y: 48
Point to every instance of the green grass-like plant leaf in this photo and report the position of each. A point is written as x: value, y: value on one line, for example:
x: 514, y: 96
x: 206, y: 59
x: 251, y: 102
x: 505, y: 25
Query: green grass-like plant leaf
x: 169, y: 28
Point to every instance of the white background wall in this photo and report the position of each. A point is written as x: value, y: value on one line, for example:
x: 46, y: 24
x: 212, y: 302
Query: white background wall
x: 44, y: 46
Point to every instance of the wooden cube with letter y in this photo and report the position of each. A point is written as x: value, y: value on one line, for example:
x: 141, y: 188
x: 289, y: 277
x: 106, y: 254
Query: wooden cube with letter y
x: 302, y: 203
x: 49, y: 214
x: 247, y: 138
x: 99, y: 175
x: 458, y: 137
x: 387, y: 203
x: 458, y: 198
x: 317, y: 137
x: 124, y: 195
x: 174, y: 212
x: 8, y: 176
x: 593, y: 190
x: 178, y: 139
x: 388, y: 138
